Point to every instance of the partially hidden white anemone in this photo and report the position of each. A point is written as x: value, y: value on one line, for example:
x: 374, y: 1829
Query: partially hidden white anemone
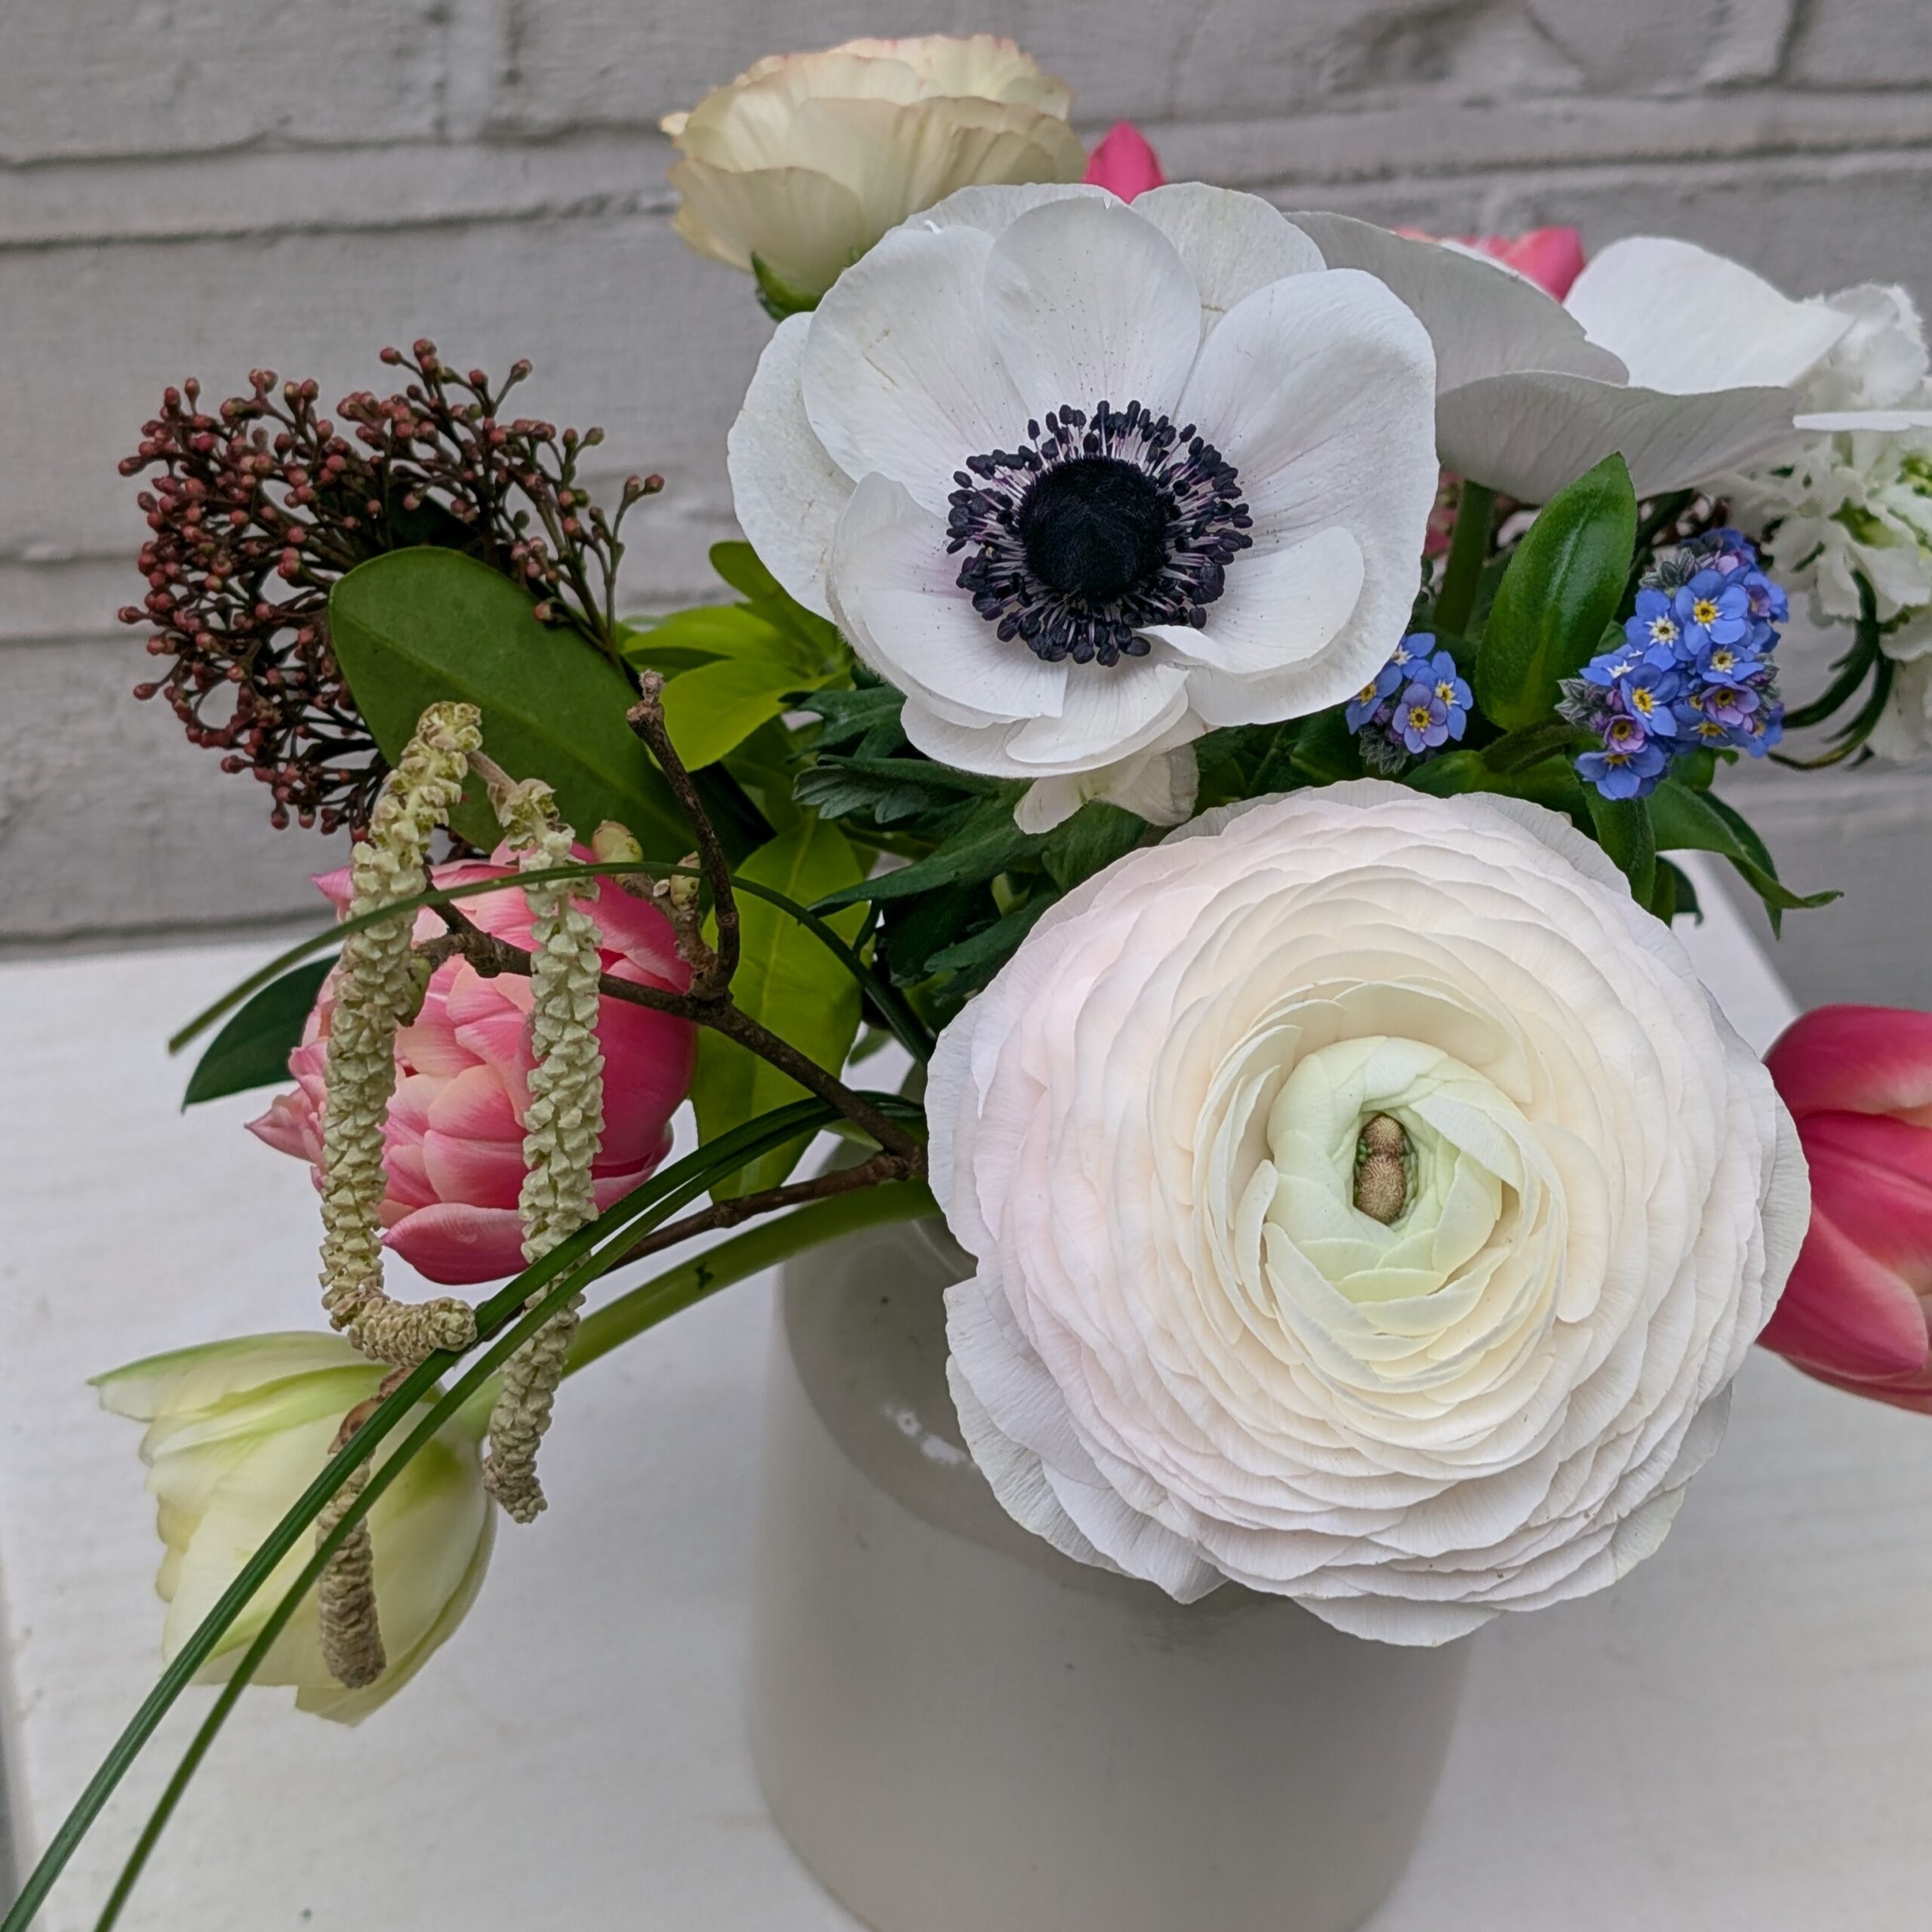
x: 1085, y: 480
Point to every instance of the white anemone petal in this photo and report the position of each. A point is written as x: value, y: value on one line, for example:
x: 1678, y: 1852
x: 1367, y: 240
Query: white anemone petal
x: 787, y: 492
x: 1088, y: 304
x: 900, y: 374
x: 1281, y: 606
x: 893, y: 584
x: 1683, y: 320
x: 1232, y: 243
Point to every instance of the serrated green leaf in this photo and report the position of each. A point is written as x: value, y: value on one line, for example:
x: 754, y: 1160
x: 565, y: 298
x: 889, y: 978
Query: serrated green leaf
x: 1628, y: 839
x: 714, y: 709
x: 788, y: 980
x: 253, y: 1049
x: 1088, y: 842
x: 868, y: 715
x: 417, y: 627
x: 973, y: 960
x: 985, y: 845
x: 1560, y: 591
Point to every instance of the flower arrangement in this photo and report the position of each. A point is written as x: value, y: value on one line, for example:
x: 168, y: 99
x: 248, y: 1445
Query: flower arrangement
x: 1218, y: 691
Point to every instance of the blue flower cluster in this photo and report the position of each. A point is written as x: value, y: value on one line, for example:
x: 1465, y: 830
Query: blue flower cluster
x: 1416, y: 704
x: 1694, y: 672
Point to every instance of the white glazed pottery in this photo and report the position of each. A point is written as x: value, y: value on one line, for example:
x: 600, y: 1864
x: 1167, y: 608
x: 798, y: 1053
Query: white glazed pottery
x: 959, y: 1729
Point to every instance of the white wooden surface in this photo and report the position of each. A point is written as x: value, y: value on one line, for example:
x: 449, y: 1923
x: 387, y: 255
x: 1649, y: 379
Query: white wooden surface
x: 1737, y: 1736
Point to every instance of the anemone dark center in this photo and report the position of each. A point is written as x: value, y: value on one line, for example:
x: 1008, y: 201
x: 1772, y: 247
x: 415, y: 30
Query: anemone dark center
x: 1095, y: 530
x: 1095, y: 527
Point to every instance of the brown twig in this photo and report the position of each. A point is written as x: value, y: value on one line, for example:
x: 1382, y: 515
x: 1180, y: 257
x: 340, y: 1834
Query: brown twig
x: 712, y: 969
x: 880, y: 1169
x: 490, y: 955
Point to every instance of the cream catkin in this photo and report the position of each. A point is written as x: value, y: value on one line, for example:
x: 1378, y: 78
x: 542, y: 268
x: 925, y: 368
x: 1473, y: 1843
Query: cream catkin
x: 380, y: 983
x: 346, y: 1619
x: 563, y: 1128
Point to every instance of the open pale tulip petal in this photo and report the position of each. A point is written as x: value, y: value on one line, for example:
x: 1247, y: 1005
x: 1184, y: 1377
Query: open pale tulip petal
x: 1681, y: 319
x: 1532, y: 434
x: 1090, y: 303
x: 1483, y: 320
x: 788, y: 492
x: 900, y: 375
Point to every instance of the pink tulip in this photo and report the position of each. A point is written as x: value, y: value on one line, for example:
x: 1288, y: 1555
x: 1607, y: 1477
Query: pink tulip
x: 1858, y: 1080
x: 454, y: 1151
x: 1125, y: 162
x: 1553, y: 258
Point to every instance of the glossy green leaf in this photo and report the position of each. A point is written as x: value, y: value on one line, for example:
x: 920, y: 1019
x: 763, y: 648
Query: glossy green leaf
x: 742, y: 567
x: 712, y: 710
x: 986, y: 843
x: 253, y: 1049
x: 703, y: 635
x: 788, y: 981
x: 1688, y: 820
x: 421, y: 626
x: 1628, y: 839
x: 1559, y: 592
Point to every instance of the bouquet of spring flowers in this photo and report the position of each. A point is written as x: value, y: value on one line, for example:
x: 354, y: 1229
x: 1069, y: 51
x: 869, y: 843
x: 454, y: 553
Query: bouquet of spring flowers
x: 1219, y: 691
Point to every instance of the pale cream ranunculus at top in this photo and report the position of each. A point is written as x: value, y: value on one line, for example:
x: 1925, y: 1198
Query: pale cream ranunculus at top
x: 1187, y: 1355
x: 236, y: 1431
x: 806, y: 159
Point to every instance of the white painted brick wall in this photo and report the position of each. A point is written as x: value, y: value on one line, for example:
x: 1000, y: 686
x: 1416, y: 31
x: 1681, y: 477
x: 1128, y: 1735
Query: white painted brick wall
x: 199, y: 185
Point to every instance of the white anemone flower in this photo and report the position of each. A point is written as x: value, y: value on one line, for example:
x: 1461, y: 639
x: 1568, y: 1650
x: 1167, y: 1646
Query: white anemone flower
x: 1687, y: 363
x: 1085, y: 481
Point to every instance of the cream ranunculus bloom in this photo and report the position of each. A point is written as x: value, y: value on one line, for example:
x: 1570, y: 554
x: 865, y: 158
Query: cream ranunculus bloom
x: 1188, y: 1355
x: 794, y: 170
x: 236, y: 1431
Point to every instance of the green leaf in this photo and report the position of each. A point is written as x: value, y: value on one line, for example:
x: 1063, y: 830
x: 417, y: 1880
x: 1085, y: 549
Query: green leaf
x: 1559, y: 592
x: 703, y: 635
x: 778, y: 297
x: 712, y: 710
x: 1325, y: 749
x: 985, y: 845
x: 973, y: 960
x: 740, y: 566
x: 788, y: 981
x: 868, y: 715
x: 1628, y: 839
x: 421, y: 626
x: 253, y: 1049
x: 1687, y: 820
x: 1088, y: 842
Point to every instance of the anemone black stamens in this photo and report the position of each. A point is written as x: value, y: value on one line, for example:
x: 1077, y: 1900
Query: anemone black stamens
x: 1092, y: 530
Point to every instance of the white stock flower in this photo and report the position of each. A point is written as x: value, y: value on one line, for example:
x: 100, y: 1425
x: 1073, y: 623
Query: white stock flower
x: 1687, y: 363
x: 1085, y: 480
x: 236, y: 1431
x: 1188, y: 1355
x: 806, y: 159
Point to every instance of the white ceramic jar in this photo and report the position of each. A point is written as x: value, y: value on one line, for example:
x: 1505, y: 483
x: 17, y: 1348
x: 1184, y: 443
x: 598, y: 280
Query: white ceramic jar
x: 959, y: 1729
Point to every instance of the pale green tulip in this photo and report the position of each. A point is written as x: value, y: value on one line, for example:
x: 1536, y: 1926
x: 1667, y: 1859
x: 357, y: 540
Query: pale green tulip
x: 236, y: 1431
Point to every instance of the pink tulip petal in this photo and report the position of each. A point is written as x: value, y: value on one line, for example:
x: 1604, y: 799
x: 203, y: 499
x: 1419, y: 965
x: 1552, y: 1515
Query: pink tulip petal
x: 1910, y: 1392
x: 638, y: 940
x: 1844, y: 1312
x: 1553, y: 258
x: 409, y: 1186
x: 334, y: 887
x: 648, y: 1059
x: 1863, y: 1060
x: 1125, y: 163
x: 610, y: 1189
x: 289, y: 1127
x: 1874, y: 1175
x: 457, y: 1244
x: 476, y: 1106
x: 485, y: 1173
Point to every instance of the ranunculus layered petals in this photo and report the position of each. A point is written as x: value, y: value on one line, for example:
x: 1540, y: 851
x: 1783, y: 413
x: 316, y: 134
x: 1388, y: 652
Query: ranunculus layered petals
x: 1681, y: 319
x: 1865, y: 1060
x: 1186, y: 1353
x: 802, y: 225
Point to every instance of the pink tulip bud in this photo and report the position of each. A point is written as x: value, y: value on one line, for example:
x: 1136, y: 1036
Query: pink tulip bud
x: 1553, y: 258
x: 1858, y: 1080
x: 1125, y: 162
x: 453, y: 1148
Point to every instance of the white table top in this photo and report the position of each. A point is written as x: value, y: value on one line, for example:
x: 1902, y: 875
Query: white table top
x: 1737, y: 1735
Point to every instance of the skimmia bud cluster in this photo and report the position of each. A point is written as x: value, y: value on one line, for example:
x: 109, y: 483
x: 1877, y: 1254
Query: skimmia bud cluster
x: 1694, y: 672
x: 262, y: 502
x: 1416, y: 704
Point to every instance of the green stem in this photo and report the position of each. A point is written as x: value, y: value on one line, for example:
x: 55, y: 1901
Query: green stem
x: 1852, y: 669
x: 749, y: 1253
x: 1517, y: 751
x: 1469, y: 550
